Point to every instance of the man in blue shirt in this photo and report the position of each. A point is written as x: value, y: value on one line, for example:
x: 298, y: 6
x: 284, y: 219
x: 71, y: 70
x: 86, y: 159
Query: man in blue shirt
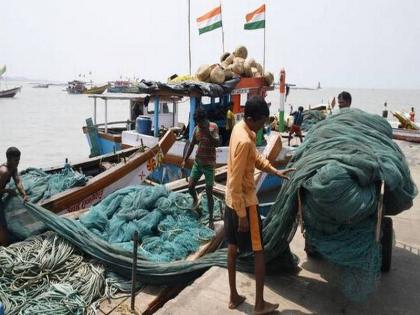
x: 297, y: 122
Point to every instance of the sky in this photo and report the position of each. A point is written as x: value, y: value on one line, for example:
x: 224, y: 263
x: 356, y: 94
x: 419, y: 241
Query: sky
x: 341, y: 43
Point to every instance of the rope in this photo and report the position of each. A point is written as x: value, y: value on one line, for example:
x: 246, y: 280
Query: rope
x: 45, y: 275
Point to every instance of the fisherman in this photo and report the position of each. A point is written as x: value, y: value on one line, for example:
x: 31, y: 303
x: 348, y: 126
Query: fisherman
x: 344, y: 100
x: 242, y: 221
x: 206, y: 136
x: 7, y: 171
x: 385, y: 111
x: 412, y: 115
x: 297, y: 122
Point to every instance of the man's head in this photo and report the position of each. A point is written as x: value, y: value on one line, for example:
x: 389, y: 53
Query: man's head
x: 13, y: 157
x: 412, y: 109
x: 200, y: 118
x: 256, y: 113
x: 344, y: 99
x: 300, y: 108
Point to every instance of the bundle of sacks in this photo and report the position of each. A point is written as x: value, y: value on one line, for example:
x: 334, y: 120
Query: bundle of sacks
x: 231, y: 65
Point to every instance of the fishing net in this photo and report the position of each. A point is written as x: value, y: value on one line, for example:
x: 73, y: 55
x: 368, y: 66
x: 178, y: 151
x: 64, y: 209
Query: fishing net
x: 339, y: 169
x: 47, y: 275
x: 39, y: 186
x: 311, y: 118
x: 168, y: 230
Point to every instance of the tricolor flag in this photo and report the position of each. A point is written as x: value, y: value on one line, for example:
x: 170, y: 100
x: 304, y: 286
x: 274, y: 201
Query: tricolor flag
x: 210, y: 21
x: 255, y: 19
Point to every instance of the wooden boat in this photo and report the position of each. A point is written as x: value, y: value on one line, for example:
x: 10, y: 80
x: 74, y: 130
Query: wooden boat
x: 108, y: 173
x: 163, y: 111
x: 96, y: 89
x: 406, y: 135
x: 10, y: 92
x: 75, y: 87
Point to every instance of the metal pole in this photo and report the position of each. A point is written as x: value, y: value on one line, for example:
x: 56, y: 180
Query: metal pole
x: 193, y: 106
x: 134, y: 268
x: 156, y: 116
x: 282, y: 98
x: 94, y: 110
x: 223, y: 32
x: 189, y: 36
x: 106, y: 116
x: 264, y: 47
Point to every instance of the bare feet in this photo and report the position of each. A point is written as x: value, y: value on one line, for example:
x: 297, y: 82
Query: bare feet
x: 236, y: 301
x: 265, y: 308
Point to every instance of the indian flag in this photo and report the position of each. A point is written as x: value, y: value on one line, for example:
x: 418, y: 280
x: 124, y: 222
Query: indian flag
x: 255, y: 19
x: 210, y: 21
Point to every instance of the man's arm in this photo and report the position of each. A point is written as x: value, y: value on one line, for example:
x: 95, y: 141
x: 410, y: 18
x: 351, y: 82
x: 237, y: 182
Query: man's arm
x: 190, y: 149
x: 264, y: 165
x: 5, y: 190
x: 19, y: 186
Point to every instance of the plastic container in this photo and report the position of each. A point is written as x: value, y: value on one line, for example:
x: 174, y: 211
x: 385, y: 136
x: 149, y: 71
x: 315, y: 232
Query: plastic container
x: 144, y: 125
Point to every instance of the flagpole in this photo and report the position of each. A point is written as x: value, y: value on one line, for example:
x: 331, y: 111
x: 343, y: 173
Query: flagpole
x: 189, y: 36
x: 223, y: 32
x: 265, y: 22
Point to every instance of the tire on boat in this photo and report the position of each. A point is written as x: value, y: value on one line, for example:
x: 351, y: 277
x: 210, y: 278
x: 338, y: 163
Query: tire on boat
x: 387, y: 244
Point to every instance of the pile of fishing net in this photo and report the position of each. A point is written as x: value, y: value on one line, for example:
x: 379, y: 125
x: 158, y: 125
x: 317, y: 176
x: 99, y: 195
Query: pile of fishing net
x: 168, y: 229
x: 339, y: 168
x: 311, y: 118
x: 47, y: 275
x: 39, y: 186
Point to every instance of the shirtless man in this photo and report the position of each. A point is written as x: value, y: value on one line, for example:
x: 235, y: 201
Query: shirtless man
x: 8, y: 171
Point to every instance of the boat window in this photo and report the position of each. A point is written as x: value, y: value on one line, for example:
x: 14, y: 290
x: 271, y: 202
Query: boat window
x: 205, y: 100
x: 217, y: 99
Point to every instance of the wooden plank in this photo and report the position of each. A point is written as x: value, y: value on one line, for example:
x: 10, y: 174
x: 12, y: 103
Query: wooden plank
x: 271, y: 151
x: 75, y: 214
x: 220, y: 173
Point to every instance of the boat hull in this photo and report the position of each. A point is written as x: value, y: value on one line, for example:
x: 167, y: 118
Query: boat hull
x: 10, y: 92
x: 406, y: 135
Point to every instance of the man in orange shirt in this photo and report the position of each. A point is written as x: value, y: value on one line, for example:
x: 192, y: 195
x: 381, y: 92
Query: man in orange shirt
x: 242, y: 220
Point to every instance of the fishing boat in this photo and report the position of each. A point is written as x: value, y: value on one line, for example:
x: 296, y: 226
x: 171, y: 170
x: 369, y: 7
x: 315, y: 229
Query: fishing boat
x: 410, y: 131
x: 96, y: 89
x: 122, y: 87
x: 106, y: 174
x: 10, y: 92
x: 164, y: 113
x: 76, y: 87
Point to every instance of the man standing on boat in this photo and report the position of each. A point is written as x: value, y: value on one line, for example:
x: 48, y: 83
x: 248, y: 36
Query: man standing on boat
x: 297, y: 122
x: 412, y: 115
x: 8, y: 171
x: 242, y: 221
x: 230, y: 123
x: 344, y: 100
x: 206, y: 136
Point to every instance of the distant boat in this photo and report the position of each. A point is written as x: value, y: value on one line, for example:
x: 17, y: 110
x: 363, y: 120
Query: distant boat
x: 96, y: 89
x: 10, y: 92
x: 76, y: 87
x: 43, y: 86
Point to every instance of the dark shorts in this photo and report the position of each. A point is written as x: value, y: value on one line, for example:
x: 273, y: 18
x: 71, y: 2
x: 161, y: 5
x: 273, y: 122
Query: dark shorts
x: 198, y: 170
x: 246, y: 241
x: 3, y: 223
x: 296, y: 130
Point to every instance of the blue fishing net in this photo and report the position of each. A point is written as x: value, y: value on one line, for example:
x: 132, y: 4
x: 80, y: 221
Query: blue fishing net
x: 168, y: 229
x: 39, y: 186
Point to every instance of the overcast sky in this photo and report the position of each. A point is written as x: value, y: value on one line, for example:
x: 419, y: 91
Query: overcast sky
x: 341, y: 43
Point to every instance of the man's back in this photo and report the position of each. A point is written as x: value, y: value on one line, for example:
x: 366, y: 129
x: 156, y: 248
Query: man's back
x: 298, y: 118
x: 5, y: 175
x: 206, y: 151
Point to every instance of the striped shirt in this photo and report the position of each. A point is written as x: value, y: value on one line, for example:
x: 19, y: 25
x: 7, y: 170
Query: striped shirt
x: 206, y: 151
